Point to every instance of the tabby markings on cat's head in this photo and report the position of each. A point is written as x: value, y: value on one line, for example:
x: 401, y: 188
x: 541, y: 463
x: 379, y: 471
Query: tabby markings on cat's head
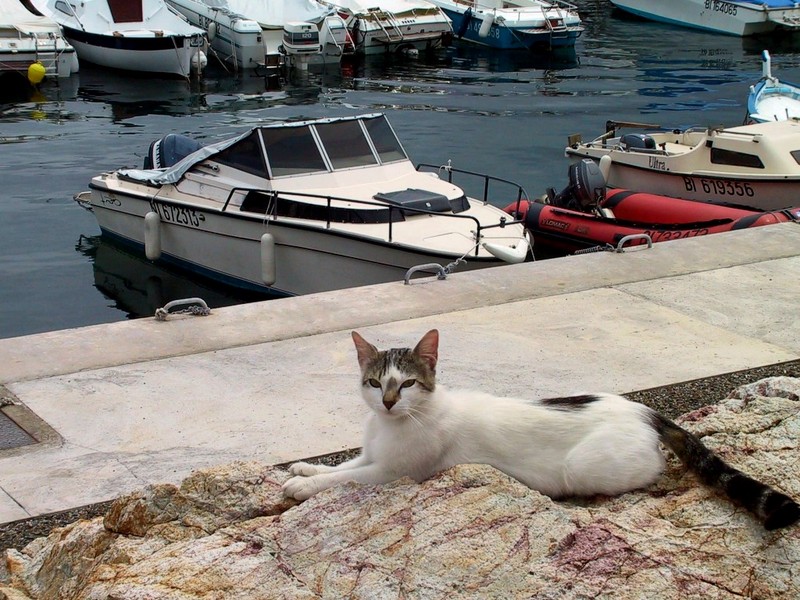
x: 394, y: 381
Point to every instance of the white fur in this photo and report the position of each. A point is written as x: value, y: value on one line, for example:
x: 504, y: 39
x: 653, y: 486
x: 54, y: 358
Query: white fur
x: 604, y: 447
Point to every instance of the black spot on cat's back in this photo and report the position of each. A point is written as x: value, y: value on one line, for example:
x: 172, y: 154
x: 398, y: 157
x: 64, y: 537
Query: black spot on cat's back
x: 570, y: 402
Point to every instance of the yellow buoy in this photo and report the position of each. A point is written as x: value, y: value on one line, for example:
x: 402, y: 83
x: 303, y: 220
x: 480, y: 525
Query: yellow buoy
x: 36, y: 73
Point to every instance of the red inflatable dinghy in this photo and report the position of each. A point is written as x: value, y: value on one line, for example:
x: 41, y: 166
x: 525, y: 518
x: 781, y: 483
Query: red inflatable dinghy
x: 584, y: 216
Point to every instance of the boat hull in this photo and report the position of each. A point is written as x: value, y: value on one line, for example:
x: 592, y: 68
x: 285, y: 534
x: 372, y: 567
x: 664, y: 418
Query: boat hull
x: 467, y: 27
x: 635, y: 213
x: 151, y: 54
x: 308, y: 259
x: 374, y: 41
x: 763, y: 194
x: 59, y: 60
x: 732, y: 18
x: 237, y: 41
x: 773, y: 100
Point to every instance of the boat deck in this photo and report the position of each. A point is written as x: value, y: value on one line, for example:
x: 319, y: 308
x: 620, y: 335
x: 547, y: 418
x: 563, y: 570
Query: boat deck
x: 120, y: 405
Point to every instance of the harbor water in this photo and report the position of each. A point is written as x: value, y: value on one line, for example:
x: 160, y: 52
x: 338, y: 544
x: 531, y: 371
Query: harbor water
x: 507, y: 114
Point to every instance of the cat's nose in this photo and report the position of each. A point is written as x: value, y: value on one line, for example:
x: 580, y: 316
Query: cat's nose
x: 390, y: 398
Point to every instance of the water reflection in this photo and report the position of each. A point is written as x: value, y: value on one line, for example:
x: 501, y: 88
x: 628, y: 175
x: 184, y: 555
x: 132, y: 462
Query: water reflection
x: 138, y: 287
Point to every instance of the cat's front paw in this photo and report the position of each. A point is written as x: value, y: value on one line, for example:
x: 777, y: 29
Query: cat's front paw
x: 304, y: 469
x: 300, y: 488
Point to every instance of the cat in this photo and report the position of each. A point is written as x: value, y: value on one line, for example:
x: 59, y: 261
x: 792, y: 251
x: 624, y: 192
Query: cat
x: 574, y: 446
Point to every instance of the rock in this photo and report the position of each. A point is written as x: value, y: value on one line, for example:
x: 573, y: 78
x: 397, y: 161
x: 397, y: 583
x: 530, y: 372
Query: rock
x: 469, y: 532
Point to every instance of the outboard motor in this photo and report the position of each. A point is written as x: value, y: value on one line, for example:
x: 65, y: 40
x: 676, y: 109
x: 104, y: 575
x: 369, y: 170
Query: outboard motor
x: 637, y: 140
x: 586, y: 188
x: 170, y: 149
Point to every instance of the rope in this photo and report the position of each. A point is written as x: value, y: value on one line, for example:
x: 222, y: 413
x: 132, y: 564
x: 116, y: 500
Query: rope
x: 442, y: 272
x: 198, y: 311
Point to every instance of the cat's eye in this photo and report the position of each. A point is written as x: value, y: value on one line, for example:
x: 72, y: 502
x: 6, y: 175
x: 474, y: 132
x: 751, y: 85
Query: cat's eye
x: 408, y: 383
x: 374, y: 383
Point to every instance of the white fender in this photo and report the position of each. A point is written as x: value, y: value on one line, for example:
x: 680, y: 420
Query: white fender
x: 486, y: 24
x: 211, y: 32
x: 268, y: 271
x: 605, y: 166
x: 152, y: 236
x: 510, y: 254
x: 766, y: 68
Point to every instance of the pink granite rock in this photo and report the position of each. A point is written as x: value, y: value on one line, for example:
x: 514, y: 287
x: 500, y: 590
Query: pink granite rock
x: 470, y: 532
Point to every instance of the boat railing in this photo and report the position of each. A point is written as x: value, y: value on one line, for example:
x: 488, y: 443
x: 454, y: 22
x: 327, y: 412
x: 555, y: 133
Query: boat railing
x: 396, y: 213
x: 384, y: 18
x: 484, y: 181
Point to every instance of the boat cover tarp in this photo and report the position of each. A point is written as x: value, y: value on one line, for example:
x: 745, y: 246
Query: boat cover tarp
x: 173, y: 174
x: 392, y: 6
x: 94, y: 16
x: 15, y: 16
x: 275, y: 13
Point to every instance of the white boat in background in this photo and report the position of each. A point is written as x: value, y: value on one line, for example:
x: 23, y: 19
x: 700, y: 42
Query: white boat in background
x: 514, y: 24
x: 734, y: 17
x: 395, y: 25
x: 771, y: 99
x: 27, y: 38
x: 303, y: 207
x: 133, y: 35
x: 249, y: 34
x: 753, y: 166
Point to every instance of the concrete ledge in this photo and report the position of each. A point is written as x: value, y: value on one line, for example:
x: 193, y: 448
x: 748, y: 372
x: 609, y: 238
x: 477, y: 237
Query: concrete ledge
x: 70, y: 351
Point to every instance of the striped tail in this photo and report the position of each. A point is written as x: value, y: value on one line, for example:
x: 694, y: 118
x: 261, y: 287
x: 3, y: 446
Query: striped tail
x: 774, y: 509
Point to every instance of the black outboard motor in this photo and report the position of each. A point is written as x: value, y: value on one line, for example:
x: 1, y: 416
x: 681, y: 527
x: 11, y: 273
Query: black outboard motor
x: 586, y: 189
x: 637, y: 140
x: 169, y: 150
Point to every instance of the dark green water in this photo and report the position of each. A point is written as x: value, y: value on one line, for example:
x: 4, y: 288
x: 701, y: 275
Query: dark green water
x: 507, y: 114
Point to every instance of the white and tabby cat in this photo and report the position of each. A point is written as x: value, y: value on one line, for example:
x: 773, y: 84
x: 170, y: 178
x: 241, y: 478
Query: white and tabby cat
x: 575, y: 446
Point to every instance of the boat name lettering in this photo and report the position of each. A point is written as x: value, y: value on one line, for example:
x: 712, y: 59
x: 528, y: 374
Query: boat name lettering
x: 720, y: 187
x: 110, y: 199
x: 656, y: 163
x: 663, y: 236
x: 177, y: 214
x: 555, y: 224
x: 721, y: 7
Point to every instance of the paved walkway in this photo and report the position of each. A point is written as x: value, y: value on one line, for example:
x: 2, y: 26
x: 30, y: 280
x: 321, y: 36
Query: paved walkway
x: 117, y: 406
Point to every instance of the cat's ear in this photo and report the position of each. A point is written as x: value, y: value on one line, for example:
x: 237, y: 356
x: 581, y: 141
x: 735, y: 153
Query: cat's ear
x: 428, y: 348
x: 366, y: 351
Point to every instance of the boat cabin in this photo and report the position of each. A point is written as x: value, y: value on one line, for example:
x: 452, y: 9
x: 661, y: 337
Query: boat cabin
x: 306, y: 148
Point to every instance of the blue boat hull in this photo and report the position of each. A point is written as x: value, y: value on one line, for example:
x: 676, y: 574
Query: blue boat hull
x: 466, y: 26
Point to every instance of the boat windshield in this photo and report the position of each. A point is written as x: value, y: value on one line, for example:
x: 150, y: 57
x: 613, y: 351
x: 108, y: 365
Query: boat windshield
x: 330, y: 145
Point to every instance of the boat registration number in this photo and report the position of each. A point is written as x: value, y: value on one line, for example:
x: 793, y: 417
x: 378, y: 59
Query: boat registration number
x: 720, y: 187
x: 663, y: 236
x: 177, y: 214
x: 721, y: 7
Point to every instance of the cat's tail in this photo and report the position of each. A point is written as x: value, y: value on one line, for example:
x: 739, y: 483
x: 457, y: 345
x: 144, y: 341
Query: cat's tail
x: 773, y: 508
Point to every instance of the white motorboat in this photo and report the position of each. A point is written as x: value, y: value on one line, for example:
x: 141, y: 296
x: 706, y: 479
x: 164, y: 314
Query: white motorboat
x: 514, y: 24
x: 133, y: 35
x: 303, y: 207
x: 771, y: 99
x: 753, y: 166
x: 734, y: 17
x: 248, y: 34
x: 395, y: 25
x: 27, y: 38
